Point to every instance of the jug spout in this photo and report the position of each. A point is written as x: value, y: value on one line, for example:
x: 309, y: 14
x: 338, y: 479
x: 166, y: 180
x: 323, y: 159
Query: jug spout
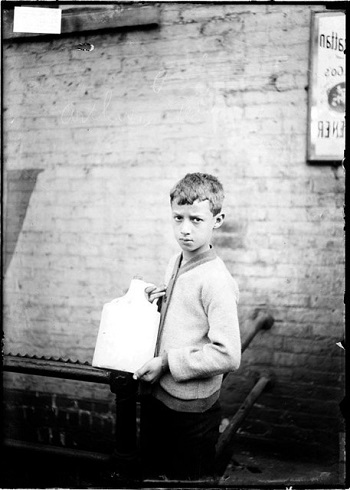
x: 137, y: 289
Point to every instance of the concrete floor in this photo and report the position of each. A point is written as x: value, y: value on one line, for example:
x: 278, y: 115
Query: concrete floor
x: 257, y: 467
x: 250, y: 466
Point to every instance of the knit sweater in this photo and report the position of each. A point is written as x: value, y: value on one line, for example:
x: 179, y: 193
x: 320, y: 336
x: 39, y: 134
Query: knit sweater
x: 200, y: 332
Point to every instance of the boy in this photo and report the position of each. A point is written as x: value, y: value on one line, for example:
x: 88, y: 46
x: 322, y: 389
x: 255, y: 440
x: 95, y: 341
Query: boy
x: 199, y: 340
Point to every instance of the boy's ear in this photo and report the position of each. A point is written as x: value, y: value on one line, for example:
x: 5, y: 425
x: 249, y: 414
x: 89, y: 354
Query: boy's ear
x: 219, y: 219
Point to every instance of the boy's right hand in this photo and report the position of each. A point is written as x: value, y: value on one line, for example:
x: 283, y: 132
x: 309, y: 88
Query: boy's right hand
x: 151, y: 371
x: 153, y: 292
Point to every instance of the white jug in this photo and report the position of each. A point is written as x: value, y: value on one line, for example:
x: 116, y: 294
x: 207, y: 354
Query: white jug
x: 128, y: 331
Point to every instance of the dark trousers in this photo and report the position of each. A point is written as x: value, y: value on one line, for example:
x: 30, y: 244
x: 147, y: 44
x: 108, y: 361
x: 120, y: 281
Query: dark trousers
x: 179, y: 445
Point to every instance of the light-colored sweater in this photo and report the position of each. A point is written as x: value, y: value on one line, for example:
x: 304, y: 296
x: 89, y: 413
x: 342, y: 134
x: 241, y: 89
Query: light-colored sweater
x: 200, y: 334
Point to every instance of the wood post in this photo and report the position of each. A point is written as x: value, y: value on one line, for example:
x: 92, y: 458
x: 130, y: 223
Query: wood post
x: 223, y: 447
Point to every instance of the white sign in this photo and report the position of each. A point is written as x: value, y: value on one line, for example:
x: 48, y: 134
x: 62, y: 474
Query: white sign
x: 326, y: 138
x: 37, y: 20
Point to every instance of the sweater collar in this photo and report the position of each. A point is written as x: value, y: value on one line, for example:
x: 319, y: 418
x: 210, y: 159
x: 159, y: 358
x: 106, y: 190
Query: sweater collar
x: 198, y: 260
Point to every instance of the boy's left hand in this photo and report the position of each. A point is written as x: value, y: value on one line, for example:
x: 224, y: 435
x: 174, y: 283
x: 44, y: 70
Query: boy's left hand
x: 151, y: 371
x: 153, y: 292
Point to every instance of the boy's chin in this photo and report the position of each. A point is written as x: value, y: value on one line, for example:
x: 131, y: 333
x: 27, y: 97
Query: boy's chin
x: 187, y: 247
x: 190, y: 251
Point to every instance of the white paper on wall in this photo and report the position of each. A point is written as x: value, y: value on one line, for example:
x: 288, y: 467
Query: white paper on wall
x: 37, y: 20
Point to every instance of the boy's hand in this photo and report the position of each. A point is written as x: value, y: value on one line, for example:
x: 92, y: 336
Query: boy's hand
x: 154, y: 292
x: 151, y: 371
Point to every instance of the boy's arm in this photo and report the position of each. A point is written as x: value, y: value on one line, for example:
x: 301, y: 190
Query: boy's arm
x: 223, y: 351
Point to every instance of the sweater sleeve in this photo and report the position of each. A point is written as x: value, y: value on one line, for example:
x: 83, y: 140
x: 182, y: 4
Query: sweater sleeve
x: 222, y: 352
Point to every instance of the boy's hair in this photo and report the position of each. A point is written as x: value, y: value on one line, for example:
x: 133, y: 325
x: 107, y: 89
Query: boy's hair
x: 201, y: 187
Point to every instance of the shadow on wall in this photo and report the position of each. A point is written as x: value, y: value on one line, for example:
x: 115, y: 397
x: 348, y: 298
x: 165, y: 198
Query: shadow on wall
x: 231, y: 235
x: 19, y: 188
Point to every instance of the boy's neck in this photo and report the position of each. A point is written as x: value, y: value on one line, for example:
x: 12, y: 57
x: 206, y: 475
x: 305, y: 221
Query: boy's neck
x: 187, y: 258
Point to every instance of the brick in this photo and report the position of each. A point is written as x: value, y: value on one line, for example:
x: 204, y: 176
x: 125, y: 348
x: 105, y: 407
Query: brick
x: 102, y: 407
x: 305, y: 406
x: 332, y: 302
x: 327, y: 378
x: 307, y: 346
x: 64, y: 402
x: 13, y: 397
x: 30, y: 434
x: 300, y: 36
x: 198, y: 13
x: 84, y: 419
x: 85, y: 405
x: 62, y: 418
x: 73, y: 418
x: 14, y: 416
x: 306, y: 315
x: 330, y: 438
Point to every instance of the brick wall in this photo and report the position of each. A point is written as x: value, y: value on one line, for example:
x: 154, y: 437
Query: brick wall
x: 60, y: 420
x: 216, y: 88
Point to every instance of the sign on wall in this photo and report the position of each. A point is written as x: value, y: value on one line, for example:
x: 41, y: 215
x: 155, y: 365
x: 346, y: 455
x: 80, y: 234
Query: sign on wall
x: 326, y: 115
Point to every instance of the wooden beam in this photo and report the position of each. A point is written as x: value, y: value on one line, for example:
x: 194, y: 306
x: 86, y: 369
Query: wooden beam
x: 89, y: 19
x: 263, y: 320
x: 224, y: 445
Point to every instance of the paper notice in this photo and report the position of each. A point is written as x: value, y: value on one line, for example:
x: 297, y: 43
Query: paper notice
x: 37, y: 20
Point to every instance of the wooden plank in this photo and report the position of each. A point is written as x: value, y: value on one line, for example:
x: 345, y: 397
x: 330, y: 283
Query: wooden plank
x: 263, y: 320
x: 223, y: 447
x: 89, y: 19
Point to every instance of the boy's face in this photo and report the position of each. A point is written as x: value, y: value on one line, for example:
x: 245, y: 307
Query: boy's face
x: 193, y: 226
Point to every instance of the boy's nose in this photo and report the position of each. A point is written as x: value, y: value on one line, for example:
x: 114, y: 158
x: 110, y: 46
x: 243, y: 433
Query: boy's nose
x: 185, y: 228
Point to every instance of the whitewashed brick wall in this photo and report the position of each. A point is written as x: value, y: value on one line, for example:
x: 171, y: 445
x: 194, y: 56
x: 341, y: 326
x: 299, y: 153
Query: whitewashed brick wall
x: 219, y: 89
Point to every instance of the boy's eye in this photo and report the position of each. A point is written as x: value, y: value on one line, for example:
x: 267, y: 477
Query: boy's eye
x: 177, y: 218
x: 196, y: 220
